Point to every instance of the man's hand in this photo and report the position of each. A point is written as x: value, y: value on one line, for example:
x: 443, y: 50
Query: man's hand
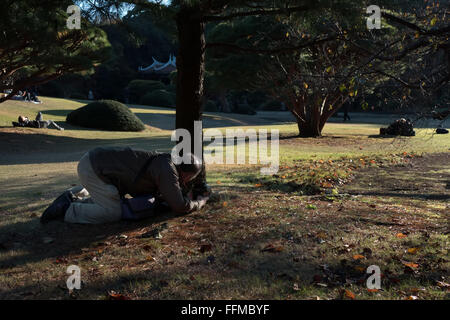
x: 202, y: 201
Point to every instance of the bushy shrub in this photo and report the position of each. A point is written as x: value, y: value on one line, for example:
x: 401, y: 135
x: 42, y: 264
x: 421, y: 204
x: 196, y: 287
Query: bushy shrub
x: 211, y: 106
x: 106, y: 115
x: 158, y: 98
x: 138, y: 88
x: 244, y: 109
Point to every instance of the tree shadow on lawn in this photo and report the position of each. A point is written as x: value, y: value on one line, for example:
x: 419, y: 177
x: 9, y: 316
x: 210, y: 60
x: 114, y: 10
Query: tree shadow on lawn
x: 239, y: 263
x: 263, y: 268
x: 426, y: 178
x: 38, y: 148
x: 176, y: 281
x: 242, y: 269
x: 68, y: 238
x: 423, y: 196
x: 58, y: 113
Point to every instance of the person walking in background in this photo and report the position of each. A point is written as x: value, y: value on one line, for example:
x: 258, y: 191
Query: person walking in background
x: 346, y: 116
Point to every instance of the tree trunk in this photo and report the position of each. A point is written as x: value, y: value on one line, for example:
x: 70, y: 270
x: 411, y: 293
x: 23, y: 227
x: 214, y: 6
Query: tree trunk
x: 190, y: 75
x: 309, y: 129
x: 191, y: 69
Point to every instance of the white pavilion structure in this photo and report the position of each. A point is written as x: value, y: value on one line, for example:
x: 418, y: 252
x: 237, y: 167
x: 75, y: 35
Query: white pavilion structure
x: 160, y: 68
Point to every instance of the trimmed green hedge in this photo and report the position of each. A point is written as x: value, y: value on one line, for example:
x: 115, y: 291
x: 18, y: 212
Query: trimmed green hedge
x: 158, y: 98
x: 106, y: 115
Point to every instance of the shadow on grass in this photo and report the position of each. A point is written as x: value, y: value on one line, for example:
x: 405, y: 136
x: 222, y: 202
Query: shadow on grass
x: 35, y: 148
x: 243, y: 269
x: 58, y: 113
x: 69, y: 238
x: 157, y: 283
x: 423, y: 196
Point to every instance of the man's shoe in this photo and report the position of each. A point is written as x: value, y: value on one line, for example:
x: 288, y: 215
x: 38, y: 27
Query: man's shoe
x: 58, y: 208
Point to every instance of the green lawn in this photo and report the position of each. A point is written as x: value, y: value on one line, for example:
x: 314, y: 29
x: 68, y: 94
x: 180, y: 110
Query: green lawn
x: 339, y: 204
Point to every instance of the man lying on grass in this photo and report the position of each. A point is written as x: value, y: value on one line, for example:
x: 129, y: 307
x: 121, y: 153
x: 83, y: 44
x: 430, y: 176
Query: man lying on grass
x: 108, y: 174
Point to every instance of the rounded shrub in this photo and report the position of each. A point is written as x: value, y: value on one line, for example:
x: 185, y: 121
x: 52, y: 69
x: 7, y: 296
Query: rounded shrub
x: 138, y: 88
x: 158, y: 98
x: 211, y: 106
x: 106, y: 115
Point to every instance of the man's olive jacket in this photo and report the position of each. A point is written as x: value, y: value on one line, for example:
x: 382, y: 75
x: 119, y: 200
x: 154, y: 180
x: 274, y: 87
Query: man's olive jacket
x: 121, y: 167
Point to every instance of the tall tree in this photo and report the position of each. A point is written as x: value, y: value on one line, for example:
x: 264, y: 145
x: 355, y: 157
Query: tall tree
x: 36, y: 46
x: 191, y: 17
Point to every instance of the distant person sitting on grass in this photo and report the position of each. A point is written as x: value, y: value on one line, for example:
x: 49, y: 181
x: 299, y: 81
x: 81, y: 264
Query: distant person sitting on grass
x: 34, y: 98
x: 38, y: 123
x: 109, y: 174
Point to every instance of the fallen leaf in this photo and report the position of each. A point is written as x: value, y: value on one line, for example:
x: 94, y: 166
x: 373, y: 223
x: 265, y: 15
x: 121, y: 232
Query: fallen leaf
x: 416, y: 290
x: 442, y: 284
x: 412, y: 298
x: 60, y: 260
x: 358, y: 257
x: 411, y: 264
x: 360, y: 269
x: 401, y: 235
x: 372, y: 290
x: 117, y: 296
x: 272, y: 248
x: 349, y: 294
x: 413, y: 250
